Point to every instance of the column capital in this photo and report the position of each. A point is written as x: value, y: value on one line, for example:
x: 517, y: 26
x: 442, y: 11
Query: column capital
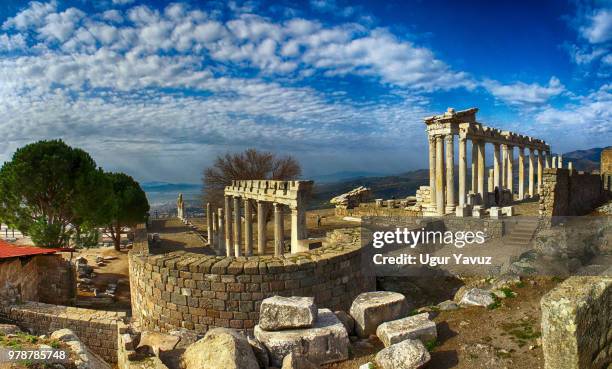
x: 449, y: 138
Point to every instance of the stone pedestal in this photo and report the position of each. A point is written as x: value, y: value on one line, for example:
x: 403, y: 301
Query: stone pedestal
x: 463, y: 211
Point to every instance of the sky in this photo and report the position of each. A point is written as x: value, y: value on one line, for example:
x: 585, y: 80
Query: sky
x: 158, y: 89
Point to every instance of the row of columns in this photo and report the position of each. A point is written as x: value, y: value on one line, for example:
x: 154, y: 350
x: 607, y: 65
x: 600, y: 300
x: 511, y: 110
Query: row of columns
x: 442, y: 172
x: 225, y: 230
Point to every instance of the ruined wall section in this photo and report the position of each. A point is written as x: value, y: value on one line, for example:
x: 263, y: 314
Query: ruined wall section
x: 569, y: 193
x: 606, y: 168
x: 200, y: 292
x: 576, y: 324
x: 97, y: 329
x: 44, y: 278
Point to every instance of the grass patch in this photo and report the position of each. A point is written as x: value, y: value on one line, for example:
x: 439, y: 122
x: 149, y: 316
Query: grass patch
x: 521, y: 332
x: 496, y: 303
x: 431, y: 345
x: 508, y: 293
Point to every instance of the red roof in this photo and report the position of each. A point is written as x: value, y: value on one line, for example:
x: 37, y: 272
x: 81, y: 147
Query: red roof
x: 11, y: 251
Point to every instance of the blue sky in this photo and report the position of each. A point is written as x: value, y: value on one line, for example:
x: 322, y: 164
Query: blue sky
x: 157, y: 89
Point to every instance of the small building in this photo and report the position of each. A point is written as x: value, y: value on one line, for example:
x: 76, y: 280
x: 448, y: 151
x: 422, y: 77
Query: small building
x: 29, y: 273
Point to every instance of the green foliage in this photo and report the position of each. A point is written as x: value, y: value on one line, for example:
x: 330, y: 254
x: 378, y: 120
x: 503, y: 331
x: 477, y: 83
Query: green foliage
x: 508, y: 293
x: 129, y: 205
x: 49, y: 190
x: 431, y: 345
x: 496, y: 303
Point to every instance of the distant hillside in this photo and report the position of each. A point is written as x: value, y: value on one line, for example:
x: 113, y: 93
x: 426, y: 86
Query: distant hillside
x: 586, y: 160
x: 344, y: 176
x: 398, y: 186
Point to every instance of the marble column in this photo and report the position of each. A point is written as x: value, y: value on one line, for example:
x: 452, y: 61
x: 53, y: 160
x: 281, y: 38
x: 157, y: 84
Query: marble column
x: 229, y: 237
x: 504, y: 166
x: 439, y: 176
x: 299, y: 232
x: 521, y: 173
x: 554, y: 162
x: 496, y: 168
x: 560, y: 162
x: 248, y: 228
x: 462, y: 170
x: 531, y: 171
x: 237, y: 227
x: 261, y: 227
x: 450, y: 173
x: 209, y: 226
x: 546, y: 164
x: 510, y: 171
x: 482, y: 161
x: 548, y: 159
x: 474, y: 186
x: 540, y: 171
x: 432, y: 169
x: 279, y: 232
x: 221, y: 233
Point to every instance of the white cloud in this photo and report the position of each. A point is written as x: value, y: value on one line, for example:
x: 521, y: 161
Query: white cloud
x: 33, y: 16
x: 521, y: 93
x: 12, y: 42
x: 599, y: 27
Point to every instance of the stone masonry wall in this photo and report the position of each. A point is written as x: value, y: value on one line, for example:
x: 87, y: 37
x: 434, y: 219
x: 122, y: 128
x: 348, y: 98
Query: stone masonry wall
x: 569, y: 193
x: 97, y: 329
x: 606, y: 168
x: 200, y: 292
x: 371, y: 210
x: 576, y: 324
x: 44, y: 278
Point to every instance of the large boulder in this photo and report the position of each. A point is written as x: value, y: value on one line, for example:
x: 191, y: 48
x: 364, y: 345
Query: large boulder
x: 280, y: 312
x: 326, y: 342
x: 293, y: 361
x: 370, y: 309
x: 408, y: 354
x: 155, y: 342
x: 477, y: 297
x: 413, y: 327
x: 221, y: 348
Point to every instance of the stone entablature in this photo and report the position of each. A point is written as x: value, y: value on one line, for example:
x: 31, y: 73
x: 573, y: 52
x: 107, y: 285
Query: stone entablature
x: 290, y: 193
x: 442, y: 130
x: 200, y: 292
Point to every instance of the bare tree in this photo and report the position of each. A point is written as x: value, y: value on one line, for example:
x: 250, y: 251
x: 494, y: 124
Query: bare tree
x: 250, y: 164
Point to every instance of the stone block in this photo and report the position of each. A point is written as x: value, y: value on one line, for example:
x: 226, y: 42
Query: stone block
x: 156, y: 342
x: 477, y: 211
x: 221, y: 348
x: 413, y: 327
x: 463, y: 211
x: 370, y: 309
x: 495, y: 212
x: 279, y: 312
x: 477, y: 297
x: 408, y: 354
x: 507, y: 211
x: 326, y: 342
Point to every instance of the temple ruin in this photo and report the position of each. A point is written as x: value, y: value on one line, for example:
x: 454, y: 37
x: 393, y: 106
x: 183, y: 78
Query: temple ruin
x: 238, y: 200
x: 474, y: 197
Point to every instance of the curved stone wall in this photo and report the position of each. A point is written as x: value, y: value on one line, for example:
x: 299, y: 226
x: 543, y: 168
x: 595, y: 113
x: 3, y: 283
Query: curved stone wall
x: 199, y: 292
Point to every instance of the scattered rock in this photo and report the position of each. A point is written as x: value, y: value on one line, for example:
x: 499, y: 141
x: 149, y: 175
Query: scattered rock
x: 80, y: 260
x: 505, y: 281
x: 347, y: 321
x: 292, y: 361
x: 477, y: 297
x: 413, y: 327
x: 260, y: 351
x: 448, y: 305
x: 408, y: 354
x: 64, y: 335
x: 370, y: 309
x: 326, y: 342
x: 279, y: 312
x: 9, y: 329
x: 156, y: 342
x: 368, y: 365
x: 221, y: 348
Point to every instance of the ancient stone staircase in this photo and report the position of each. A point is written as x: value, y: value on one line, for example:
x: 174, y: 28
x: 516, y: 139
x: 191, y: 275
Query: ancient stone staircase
x: 522, y: 233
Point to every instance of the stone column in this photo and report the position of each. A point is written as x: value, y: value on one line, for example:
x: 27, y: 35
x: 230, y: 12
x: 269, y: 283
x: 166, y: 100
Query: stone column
x: 531, y: 171
x: 521, y: 165
x: 299, y: 232
x: 491, y: 184
x: 279, y: 242
x: 248, y: 228
x: 237, y: 227
x: 229, y: 238
x: 450, y: 173
x: 560, y: 162
x: 510, y: 171
x: 540, y: 171
x: 474, y: 186
x: 221, y: 233
x: 496, y: 168
x: 546, y: 164
x: 215, y: 224
x: 209, y: 226
x: 548, y: 159
x: 554, y: 162
x: 504, y: 166
x: 439, y: 176
x: 261, y: 228
x: 481, y: 172
x: 462, y: 170
x: 432, y: 169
